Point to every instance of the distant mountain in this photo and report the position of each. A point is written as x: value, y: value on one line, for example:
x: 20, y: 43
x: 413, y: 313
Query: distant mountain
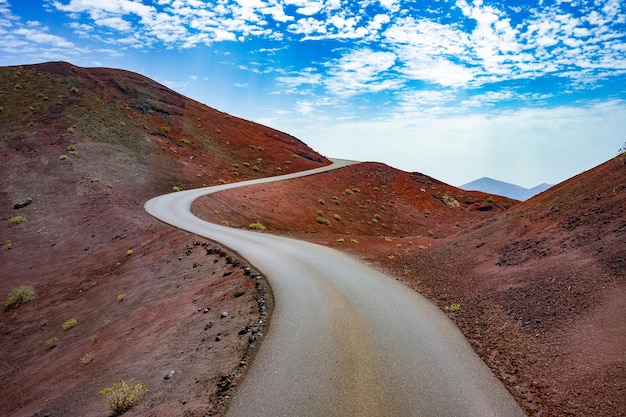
x: 491, y: 186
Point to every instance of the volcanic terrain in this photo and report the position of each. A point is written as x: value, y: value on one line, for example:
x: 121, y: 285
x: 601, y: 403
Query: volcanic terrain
x: 536, y: 287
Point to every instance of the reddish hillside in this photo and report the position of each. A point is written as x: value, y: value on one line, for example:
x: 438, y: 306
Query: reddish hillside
x: 368, y: 199
x: 87, y: 147
x: 540, y: 289
x: 537, y: 289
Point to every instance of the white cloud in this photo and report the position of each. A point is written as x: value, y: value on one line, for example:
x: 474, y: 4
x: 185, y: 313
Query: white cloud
x: 303, y: 78
x: 488, y: 99
x: 115, y: 23
x: 361, y: 71
x: 37, y: 36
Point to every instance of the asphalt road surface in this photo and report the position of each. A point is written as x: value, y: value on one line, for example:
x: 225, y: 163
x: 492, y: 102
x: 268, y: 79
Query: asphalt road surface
x: 345, y: 339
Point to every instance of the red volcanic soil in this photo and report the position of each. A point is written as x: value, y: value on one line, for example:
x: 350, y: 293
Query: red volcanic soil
x: 538, y: 288
x: 364, y: 200
x: 88, y: 147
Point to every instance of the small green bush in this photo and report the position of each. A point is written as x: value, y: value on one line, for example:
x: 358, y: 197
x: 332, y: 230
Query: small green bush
x: 122, y: 396
x: 87, y: 358
x: 64, y: 157
x: 257, y: 226
x: 20, y: 295
x: 52, y: 342
x: 176, y: 188
x: 16, y: 220
x: 453, y: 307
x: 322, y: 220
x: 348, y: 191
x: 7, y: 245
x: 68, y: 324
x: 129, y: 252
x: 337, y: 217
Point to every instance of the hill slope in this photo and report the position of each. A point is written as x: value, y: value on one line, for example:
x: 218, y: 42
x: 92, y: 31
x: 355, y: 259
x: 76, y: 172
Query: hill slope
x: 491, y: 186
x: 87, y: 147
x: 535, y: 286
x: 368, y: 199
x: 540, y: 287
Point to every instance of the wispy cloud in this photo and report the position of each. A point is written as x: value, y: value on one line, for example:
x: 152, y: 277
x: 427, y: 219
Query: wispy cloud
x: 362, y: 48
x: 504, y: 43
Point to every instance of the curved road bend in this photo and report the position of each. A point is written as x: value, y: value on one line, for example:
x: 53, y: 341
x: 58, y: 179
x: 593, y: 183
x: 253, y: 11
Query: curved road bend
x: 344, y: 339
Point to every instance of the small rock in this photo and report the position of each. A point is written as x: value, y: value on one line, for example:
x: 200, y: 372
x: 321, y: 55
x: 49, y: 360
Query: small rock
x: 208, y: 325
x: 22, y: 203
x: 206, y: 310
x: 224, y: 314
x: 218, y: 338
x: 170, y: 375
x: 244, y: 329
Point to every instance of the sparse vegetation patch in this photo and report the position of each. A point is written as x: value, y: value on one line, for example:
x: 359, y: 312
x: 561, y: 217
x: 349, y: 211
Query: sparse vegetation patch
x: 322, y: 220
x: 20, y: 295
x: 87, y: 358
x: 453, y: 307
x: 68, y: 324
x: 16, y: 220
x: 52, y: 342
x: 257, y: 226
x: 122, y: 396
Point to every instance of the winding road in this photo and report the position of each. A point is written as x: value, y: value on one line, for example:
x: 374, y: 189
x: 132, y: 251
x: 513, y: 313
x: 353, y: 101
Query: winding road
x: 344, y: 339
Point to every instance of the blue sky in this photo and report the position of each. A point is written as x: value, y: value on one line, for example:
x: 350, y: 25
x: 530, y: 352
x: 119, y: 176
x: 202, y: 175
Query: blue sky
x: 520, y: 91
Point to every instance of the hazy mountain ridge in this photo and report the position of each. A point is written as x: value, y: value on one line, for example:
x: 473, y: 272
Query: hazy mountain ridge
x: 491, y: 186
